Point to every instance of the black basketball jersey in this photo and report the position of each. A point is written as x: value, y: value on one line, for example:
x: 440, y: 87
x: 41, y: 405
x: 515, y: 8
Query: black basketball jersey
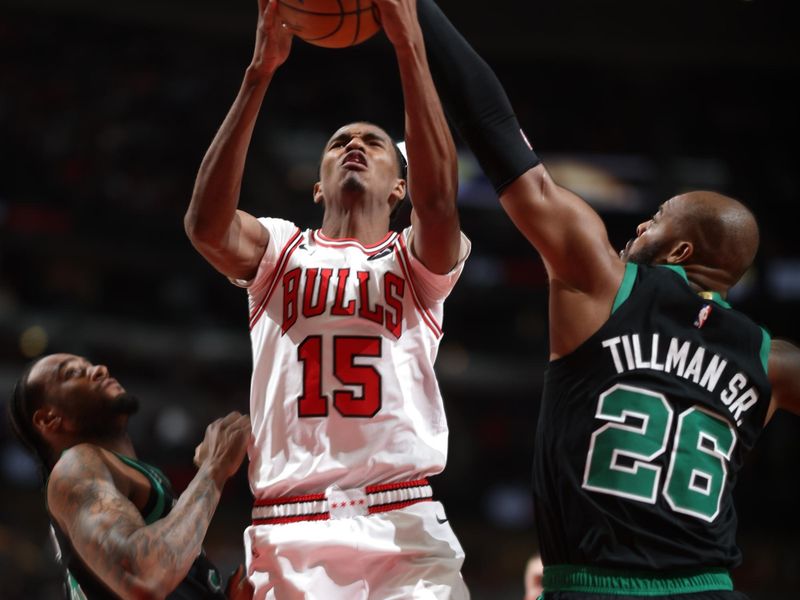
x: 644, y: 427
x: 201, y: 583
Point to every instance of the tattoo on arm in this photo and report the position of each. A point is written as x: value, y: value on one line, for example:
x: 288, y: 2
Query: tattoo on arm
x: 110, y: 535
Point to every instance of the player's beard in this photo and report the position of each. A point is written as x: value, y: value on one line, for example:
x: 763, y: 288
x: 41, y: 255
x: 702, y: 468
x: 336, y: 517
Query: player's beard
x: 125, y: 404
x: 644, y: 255
x: 103, y: 422
x: 352, y: 184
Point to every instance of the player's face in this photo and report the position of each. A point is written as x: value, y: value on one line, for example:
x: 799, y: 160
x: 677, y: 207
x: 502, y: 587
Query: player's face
x: 81, y: 391
x: 654, y: 237
x: 359, y: 157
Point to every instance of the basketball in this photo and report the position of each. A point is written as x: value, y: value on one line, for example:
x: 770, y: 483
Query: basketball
x: 330, y: 23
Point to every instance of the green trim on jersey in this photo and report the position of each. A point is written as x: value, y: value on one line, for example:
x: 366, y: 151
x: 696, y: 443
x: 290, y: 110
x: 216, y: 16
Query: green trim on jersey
x: 155, y: 476
x: 574, y: 578
x: 766, y: 344
x: 626, y: 287
x: 74, y: 588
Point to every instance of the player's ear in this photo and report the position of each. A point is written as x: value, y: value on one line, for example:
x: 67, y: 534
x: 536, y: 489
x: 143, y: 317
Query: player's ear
x: 399, y: 191
x: 46, y: 419
x: 680, y: 253
x: 318, y: 197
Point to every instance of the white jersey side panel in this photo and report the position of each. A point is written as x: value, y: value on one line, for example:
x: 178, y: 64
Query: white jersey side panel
x: 344, y: 339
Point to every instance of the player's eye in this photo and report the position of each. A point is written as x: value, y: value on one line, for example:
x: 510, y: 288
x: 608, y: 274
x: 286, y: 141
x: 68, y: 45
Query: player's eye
x: 73, y: 372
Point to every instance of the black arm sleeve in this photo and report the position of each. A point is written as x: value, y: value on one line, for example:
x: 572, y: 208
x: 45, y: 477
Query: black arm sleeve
x: 474, y: 100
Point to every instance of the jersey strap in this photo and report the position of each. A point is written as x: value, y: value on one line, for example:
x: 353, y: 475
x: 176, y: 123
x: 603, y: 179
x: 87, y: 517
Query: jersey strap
x: 154, y: 509
x: 74, y: 590
x: 626, y: 286
x: 573, y: 578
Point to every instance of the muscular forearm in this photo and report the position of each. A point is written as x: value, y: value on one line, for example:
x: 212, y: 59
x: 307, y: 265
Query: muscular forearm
x: 475, y: 100
x: 161, y: 554
x: 430, y: 146
x: 433, y: 167
x: 218, y: 184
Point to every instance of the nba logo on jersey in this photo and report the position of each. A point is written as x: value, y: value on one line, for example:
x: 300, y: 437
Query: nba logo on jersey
x: 702, y: 316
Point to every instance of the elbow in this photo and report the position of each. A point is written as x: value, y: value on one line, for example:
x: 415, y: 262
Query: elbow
x: 535, y: 186
x: 145, y: 590
x: 154, y: 576
x: 150, y: 588
x: 191, y: 224
x: 198, y: 230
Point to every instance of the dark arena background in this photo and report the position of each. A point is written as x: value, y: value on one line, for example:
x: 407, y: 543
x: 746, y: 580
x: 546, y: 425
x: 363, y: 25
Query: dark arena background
x: 106, y: 109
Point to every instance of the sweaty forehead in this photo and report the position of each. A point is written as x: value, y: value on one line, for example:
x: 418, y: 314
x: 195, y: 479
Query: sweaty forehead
x: 360, y: 129
x: 47, y: 368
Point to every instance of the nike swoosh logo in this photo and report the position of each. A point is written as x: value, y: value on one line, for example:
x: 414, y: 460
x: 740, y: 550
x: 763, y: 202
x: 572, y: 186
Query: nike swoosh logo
x: 380, y: 254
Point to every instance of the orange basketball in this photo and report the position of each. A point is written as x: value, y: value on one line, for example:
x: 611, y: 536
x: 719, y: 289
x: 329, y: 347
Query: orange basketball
x: 330, y: 23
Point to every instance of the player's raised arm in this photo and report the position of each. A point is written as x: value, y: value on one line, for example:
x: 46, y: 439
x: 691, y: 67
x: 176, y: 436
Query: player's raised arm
x: 232, y: 240
x: 565, y: 230
x: 583, y: 268
x: 432, y: 160
x: 133, y: 559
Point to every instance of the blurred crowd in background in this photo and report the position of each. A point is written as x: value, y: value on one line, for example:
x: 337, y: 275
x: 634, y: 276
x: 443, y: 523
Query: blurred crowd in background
x: 106, y: 112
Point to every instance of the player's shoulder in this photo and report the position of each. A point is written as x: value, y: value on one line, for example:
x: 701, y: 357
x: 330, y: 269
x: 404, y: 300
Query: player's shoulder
x: 80, y: 460
x: 75, y: 474
x: 277, y: 223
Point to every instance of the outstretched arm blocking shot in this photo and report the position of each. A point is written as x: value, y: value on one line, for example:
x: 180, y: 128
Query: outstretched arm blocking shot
x: 657, y: 388
x: 584, y: 269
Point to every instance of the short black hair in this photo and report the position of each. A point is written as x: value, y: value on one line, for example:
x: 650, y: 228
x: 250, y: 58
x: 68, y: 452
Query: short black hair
x: 25, y: 400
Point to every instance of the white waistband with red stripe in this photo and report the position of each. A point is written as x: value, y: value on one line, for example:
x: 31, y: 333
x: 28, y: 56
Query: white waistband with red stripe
x: 336, y: 503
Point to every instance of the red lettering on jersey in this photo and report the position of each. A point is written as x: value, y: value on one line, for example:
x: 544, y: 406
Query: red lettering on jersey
x: 364, y: 311
x: 393, y: 288
x: 309, y: 293
x: 291, y: 285
x: 339, y: 308
x: 310, y: 307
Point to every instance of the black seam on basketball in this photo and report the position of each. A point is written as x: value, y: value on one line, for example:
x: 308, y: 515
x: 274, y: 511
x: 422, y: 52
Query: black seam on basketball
x: 341, y: 14
x: 358, y: 22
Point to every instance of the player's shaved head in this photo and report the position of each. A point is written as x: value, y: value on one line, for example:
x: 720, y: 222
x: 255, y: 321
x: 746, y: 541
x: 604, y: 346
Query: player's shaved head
x: 723, y: 231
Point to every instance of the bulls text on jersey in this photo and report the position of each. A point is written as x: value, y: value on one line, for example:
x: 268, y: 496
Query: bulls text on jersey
x: 306, y: 291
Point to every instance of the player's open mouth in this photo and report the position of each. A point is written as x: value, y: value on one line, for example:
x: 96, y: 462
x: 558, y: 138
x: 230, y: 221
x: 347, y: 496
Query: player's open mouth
x: 355, y: 158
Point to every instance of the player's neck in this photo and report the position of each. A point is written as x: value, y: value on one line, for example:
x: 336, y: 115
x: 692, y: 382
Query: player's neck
x: 368, y: 226
x: 707, y: 279
x: 119, y: 443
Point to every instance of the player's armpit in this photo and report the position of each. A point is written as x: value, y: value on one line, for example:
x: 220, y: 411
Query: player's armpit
x: 784, y: 376
x: 235, y: 252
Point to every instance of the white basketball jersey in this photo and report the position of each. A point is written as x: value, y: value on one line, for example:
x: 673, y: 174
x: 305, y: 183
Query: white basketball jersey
x: 344, y: 339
